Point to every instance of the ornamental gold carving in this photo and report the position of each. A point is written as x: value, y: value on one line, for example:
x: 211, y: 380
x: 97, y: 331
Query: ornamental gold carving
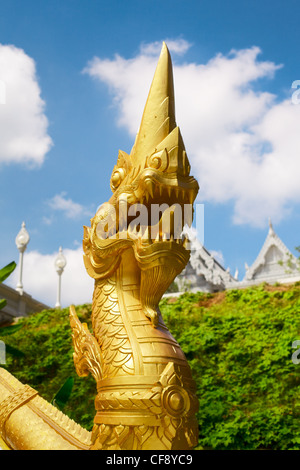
x: 146, y: 397
x: 133, y: 249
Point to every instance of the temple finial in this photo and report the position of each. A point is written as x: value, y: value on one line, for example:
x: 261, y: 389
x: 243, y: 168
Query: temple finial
x: 271, y: 230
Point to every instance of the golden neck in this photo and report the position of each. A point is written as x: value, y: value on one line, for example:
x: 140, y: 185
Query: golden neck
x: 116, y: 312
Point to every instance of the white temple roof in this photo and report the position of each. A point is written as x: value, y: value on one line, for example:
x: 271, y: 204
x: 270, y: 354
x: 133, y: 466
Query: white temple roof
x: 203, y: 272
x: 274, y: 263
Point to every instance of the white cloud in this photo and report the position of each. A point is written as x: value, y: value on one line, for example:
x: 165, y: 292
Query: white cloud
x: 71, y: 209
x: 40, y: 279
x: 178, y: 46
x: 243, y: 144
x: 23, y: 123
x: 47, y: 220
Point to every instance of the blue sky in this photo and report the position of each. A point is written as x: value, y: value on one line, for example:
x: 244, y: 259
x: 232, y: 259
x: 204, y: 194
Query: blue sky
x: 77, y: 74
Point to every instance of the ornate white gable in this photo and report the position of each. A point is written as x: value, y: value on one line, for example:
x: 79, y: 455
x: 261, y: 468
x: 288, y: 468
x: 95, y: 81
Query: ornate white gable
x: 203, y: 272
x: 271, y: 265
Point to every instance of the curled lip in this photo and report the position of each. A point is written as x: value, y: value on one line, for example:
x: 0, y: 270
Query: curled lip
x: 163, y: 223
x: 155, y: 208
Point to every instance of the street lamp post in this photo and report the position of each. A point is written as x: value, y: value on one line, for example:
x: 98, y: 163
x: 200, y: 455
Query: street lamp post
x: 60, y: 264
x: 22, y: 240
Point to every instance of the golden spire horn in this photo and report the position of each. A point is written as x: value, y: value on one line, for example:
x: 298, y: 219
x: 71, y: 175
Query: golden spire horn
x: 159, y: 114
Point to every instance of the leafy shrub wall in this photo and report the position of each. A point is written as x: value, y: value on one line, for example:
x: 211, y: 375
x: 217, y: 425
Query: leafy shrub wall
x: 240, y: 351
x: 238, y: 344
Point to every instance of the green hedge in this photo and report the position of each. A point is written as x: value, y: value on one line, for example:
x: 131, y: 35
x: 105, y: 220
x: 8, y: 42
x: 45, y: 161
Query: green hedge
x: 46, y: 341
x: 240, y: 351
x: 238, y: 344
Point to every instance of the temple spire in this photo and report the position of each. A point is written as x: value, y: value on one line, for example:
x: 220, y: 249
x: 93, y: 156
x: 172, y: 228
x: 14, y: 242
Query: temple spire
x: 159, y: 114
x: 271, y: 230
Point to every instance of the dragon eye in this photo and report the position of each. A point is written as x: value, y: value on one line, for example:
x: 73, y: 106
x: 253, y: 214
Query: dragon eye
x: 117, y: 178
x: 121, y: 170
x: 159, y: 160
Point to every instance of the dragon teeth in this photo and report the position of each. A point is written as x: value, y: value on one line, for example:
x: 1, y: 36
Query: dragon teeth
x: 149, y: 186
x: 191, y: 197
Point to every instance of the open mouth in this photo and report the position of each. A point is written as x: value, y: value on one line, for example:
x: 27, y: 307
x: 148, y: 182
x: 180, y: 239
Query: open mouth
x: 163, y: 210
x: 166, y: 206
x: 156, y: 192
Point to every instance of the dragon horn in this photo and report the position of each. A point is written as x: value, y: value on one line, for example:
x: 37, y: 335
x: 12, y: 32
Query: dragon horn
x: 159, y: 114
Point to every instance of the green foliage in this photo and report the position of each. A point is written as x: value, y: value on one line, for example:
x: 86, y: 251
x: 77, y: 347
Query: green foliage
x: 238, y: 344
x: 240, y: 352
x: 4, y: 273
x: 11, y: 329
x: 62, y: 396
x: 45, y: 339
x: 13, y: 351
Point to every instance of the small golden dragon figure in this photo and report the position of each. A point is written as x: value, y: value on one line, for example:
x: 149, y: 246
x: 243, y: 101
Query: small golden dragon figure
x: 146, y: 397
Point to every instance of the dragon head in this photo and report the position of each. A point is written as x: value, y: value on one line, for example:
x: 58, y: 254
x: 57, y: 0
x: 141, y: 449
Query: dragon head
x: 153, y: 195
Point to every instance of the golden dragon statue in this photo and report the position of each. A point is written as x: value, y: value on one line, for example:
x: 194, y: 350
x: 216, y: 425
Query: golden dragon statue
x: 134, y: 249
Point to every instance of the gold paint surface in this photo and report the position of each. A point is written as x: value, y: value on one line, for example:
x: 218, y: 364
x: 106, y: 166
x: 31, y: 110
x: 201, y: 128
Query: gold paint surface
x: 28, y: 422
x: 146, y: 397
